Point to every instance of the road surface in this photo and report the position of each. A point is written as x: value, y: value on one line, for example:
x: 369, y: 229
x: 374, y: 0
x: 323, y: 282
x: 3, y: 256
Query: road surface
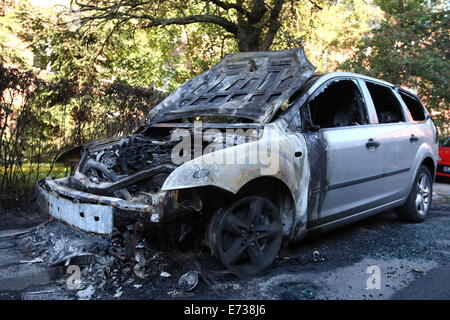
x: 378, y: 258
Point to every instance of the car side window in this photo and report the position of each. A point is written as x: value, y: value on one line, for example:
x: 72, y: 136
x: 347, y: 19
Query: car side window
x: 414, y: 106
x: 387, y: 106
x: 339, y: 104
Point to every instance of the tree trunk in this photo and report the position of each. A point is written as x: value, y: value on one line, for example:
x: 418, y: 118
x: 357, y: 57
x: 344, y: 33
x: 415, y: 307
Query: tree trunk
x: 248, y: 37
x: 251, y: 35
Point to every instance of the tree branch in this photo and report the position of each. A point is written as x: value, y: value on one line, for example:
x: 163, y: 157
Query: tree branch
x: 127, y: 11
x: 227, y: 6
x: 222, y: 22
x: 274, y: 25
x: 315, y: 5
x: 258, y: 11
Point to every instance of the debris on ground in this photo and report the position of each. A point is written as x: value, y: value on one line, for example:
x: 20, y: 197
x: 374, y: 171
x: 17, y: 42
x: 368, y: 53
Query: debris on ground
x: 86, y: 294
x: 188, y: 281
x: 18, y: 232
x: 129, y: 261
x: 135, y: 260
x: 316, y: 256
x: 118, y: 293
x: 296, y: 293
x: 297, y: 279
x: 14, y: 232
x: 35, y: 260
x: 179, y: 293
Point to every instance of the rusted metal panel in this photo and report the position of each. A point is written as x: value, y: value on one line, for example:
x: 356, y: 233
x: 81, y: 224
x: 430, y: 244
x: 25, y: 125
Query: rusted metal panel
x: 250, y: 85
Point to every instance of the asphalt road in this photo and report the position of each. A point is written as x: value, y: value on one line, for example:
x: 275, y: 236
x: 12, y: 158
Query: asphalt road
x: 378, y: 258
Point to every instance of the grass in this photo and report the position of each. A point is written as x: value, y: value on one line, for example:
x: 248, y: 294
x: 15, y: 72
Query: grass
x: 19, y: 188
x: 32, y: 172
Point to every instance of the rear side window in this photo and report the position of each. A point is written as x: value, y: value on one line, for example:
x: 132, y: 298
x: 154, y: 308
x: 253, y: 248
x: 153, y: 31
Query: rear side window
x: 386, y: 104
x: 414, y: 107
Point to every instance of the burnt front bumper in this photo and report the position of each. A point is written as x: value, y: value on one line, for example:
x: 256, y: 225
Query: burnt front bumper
x: 95, y: 213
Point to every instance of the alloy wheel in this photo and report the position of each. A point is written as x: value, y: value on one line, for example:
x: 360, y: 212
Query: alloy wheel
x: 249, y: 235
x: 422, y: 201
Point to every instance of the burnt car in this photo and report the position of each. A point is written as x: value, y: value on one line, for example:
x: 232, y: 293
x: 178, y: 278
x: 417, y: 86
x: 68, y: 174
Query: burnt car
x: 256, y: 151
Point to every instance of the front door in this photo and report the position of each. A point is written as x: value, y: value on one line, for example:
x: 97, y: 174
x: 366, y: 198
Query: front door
x: 339, y: 118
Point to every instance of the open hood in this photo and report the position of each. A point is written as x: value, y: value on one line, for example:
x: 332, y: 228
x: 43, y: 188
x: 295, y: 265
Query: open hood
x: 251, y: 85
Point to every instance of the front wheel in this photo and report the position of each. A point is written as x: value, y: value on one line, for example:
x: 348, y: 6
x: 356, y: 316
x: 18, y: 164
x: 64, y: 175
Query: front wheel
x: 247, y: 236
x: 418, y: 204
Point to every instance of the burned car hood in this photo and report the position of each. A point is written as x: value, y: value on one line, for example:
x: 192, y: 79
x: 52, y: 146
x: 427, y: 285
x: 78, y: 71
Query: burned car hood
x: 251, y: 85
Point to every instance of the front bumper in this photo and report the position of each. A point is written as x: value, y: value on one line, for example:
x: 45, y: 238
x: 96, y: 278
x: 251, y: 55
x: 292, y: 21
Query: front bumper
x: 94, y: 213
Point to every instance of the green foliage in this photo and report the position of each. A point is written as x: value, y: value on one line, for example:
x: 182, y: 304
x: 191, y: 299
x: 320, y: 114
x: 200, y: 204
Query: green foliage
x: 9, y: 47
x: 101, y: 79
x: 329, y: 31
x: 409, y: 48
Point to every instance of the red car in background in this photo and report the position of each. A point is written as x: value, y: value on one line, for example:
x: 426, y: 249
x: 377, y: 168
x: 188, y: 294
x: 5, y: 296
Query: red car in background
x: 443, y: 169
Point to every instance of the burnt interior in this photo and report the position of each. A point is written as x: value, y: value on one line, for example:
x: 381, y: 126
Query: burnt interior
x: 339, y: 104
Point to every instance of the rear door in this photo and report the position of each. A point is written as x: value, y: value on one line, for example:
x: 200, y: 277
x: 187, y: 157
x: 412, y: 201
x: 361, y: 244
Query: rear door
x: 396, y: 142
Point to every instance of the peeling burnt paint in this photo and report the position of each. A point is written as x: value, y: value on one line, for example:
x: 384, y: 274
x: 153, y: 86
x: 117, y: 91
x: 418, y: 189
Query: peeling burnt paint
x: 317, y: 158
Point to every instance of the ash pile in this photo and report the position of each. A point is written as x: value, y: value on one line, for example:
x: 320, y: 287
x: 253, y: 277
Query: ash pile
x: 132, y: 263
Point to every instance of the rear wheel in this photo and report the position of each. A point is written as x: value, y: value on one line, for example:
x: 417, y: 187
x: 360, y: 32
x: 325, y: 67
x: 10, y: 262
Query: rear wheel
x: 418, y: 204
x: 247, y: 236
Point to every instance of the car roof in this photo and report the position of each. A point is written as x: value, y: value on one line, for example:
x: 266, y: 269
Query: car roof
x: 331, y: 75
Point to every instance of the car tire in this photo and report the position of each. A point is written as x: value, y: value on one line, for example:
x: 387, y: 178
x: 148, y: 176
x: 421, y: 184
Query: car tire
x: 417, y: 206
x: 247, y: 236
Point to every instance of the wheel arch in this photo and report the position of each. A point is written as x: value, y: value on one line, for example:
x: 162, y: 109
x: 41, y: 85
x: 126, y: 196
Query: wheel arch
x: 277, y: 191
x: 429, y: 163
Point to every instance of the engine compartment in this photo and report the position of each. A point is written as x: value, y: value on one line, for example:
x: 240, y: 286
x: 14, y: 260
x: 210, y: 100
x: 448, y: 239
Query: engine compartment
x: 133, y: 166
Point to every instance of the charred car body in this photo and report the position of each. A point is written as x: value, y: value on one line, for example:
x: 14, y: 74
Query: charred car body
x: 281, y: 153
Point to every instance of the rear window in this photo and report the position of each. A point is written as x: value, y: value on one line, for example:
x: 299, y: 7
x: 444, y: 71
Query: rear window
x: 414, y: 107
x: 386, y: 104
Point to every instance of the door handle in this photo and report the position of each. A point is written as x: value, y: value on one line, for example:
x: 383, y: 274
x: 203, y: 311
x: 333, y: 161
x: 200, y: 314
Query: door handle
x: 372, y: 144
x: 413, y: 138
